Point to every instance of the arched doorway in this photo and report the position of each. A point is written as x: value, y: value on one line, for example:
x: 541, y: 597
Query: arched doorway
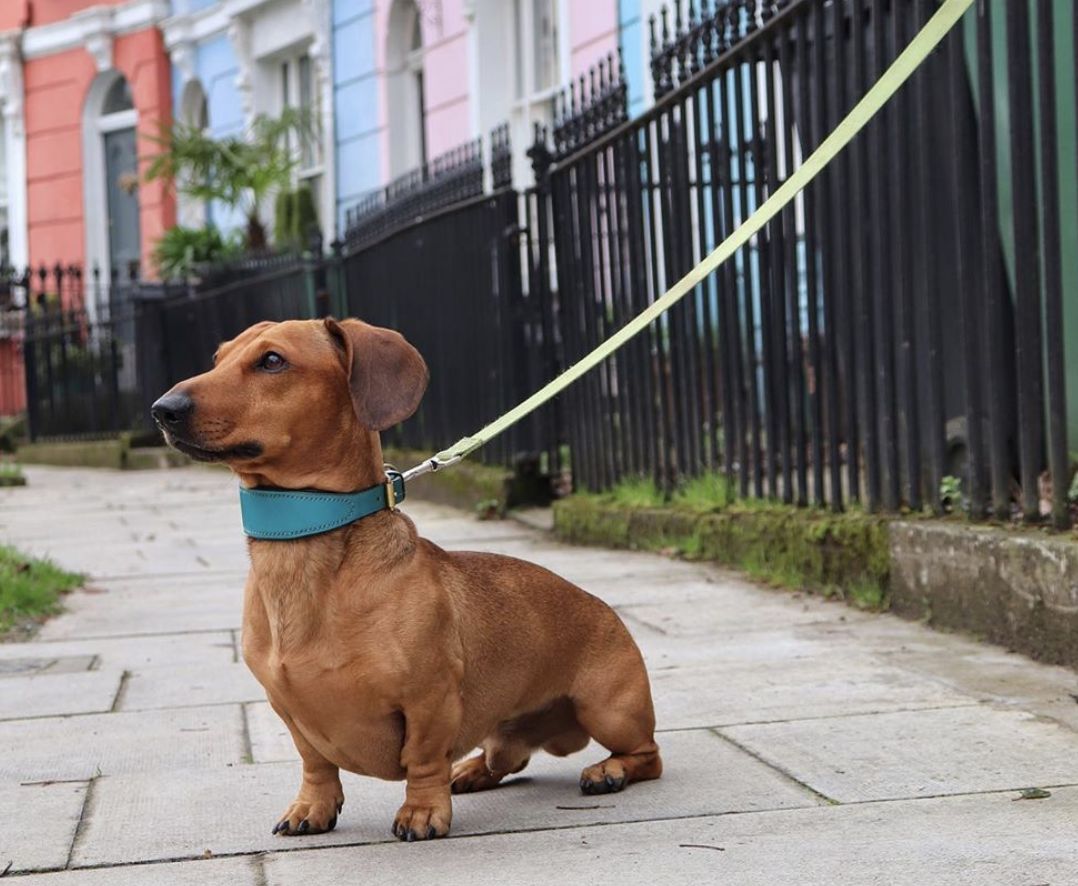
x: 406, y: 111
x: 193, y: 113
x: 111, y: 179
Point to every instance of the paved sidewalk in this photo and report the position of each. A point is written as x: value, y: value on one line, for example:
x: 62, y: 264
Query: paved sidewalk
x: 804, y: 743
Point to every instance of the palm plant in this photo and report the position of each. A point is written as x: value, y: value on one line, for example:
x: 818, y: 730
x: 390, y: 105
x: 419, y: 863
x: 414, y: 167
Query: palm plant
x: 179, y: 251
x: 239, y: 171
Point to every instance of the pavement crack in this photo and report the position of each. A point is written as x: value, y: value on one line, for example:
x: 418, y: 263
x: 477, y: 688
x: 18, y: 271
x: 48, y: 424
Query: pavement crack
x: 80, y: 825
x: 121, y: 691
x: 258, y: 869
x: 830, y: 801
x: 245, y: 724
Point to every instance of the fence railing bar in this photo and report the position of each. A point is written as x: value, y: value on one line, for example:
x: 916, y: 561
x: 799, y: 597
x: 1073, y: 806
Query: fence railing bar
x: 1026, y: 259
x: 1058, y: 461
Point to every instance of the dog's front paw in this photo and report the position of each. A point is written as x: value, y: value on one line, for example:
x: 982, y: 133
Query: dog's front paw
x: 304, y: 818
x: 416, y: 822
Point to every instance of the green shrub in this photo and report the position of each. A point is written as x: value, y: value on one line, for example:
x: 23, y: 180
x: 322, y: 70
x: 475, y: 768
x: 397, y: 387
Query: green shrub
x: 295, y: 218
x: 180, y: 250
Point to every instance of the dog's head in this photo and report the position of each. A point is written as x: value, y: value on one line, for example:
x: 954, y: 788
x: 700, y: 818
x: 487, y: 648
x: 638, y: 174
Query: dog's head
x: 289, y: 404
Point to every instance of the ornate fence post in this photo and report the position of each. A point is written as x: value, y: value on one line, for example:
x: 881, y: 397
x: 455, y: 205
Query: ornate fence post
x: 337, y: 294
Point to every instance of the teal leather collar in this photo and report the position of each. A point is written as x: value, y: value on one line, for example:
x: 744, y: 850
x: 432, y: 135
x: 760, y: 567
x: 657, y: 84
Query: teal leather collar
x: 284, y: 514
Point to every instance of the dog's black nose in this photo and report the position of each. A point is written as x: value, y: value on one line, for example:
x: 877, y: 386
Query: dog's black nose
x: 172, y: 410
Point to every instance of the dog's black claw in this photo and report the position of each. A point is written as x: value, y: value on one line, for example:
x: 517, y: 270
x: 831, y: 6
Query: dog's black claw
x: 393, y: 830
x: 332, y: 823
x: 409, y: 835
x: 304, y: 826
x: 431, y: 833
x: 281, y: 827
x: 340, y: 806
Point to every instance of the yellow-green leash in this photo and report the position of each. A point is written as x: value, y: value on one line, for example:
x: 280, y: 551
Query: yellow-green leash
x: 889, y: 83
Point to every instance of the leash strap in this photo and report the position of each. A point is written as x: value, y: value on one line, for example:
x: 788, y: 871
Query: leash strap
x: 949, y: 13
x: 283, y: 514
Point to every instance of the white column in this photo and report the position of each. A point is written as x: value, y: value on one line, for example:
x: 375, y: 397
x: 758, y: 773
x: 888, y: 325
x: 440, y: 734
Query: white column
x: 239, y: 32
x: 321, y: 55
x: 11, y: 88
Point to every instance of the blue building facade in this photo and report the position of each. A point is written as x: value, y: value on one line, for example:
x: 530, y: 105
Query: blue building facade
x: 356, y: 103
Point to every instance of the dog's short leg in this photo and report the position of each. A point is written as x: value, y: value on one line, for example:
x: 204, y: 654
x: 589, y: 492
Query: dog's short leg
x: 614, y: 706
x: 498, y: 759
x: 320, y: 798
x: 430, y: 731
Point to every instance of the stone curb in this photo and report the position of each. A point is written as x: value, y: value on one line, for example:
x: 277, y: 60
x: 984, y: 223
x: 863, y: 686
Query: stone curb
x: 1017, y: 588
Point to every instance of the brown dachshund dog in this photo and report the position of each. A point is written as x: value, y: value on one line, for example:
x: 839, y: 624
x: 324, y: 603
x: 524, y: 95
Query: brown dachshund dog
x: 384, y: 654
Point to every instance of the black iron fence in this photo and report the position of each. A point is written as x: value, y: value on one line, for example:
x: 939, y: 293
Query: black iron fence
x: 899, y: 324
x: 872, y: 340
x: 97, y: 353
x: 452, y: 280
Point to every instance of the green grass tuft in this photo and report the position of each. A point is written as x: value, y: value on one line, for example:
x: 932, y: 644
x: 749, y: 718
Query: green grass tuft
x: 708, y: 492
x: 30, y: 588
x: 636, y: 492
x: 11, y: 474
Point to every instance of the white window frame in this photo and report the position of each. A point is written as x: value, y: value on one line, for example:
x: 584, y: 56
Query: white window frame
x: 95, y: 199
x: 289, y: 94
x: 530, y: 95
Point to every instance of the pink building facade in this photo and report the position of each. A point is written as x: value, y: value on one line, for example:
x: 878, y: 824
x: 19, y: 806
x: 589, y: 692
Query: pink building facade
x: 449, y: 71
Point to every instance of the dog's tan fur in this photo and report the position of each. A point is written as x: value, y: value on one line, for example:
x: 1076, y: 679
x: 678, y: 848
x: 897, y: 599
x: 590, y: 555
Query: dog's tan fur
x: 384, y: 654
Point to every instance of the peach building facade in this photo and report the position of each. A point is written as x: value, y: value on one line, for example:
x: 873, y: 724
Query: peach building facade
x: 97, y: 86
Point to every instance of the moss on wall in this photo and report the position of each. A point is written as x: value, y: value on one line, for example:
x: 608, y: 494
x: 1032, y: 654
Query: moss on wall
x: 844, y: 554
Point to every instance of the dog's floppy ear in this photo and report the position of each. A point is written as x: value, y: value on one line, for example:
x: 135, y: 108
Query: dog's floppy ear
x: 387, y: 376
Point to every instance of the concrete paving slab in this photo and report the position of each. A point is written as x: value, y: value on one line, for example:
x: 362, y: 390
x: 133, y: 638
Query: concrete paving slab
x: 189, y: 686
x: 130, y: 653
x: 165, y: 548
x: 51, y: 695
x: 585, y: 565
x: 969, y: 841
x: 134, y: 818
x: 731, y: 608
x: 64, y: 748
x: 918, y: 753
x: 33, y: 666
x: 39, y: 824
x: 128, y: 613
x: 271, y: 742
x: 990, y: 673
x: 208, y: 872
x: 844, y: 683
x: 124, y: 558
x: 663, y: 652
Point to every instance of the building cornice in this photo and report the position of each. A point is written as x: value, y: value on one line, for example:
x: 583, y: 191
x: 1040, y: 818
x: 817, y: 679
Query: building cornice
x: 94, y: 29
x: 194, y: 27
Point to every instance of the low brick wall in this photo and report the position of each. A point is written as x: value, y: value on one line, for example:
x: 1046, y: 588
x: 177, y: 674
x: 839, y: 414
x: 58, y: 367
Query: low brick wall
x: 834, y: 554
x: 1014, y: 587
x: 468, y: 485
x: 116, y: 453
x: 1018, y: 588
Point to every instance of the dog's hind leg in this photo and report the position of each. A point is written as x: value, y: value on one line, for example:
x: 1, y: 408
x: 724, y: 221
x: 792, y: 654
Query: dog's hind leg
x: 485, y: 770
x: 552, y: 727
x: 613, y: 703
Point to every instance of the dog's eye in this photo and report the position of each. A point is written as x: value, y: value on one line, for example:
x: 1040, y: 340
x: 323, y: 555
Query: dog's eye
x: 272, y: 362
